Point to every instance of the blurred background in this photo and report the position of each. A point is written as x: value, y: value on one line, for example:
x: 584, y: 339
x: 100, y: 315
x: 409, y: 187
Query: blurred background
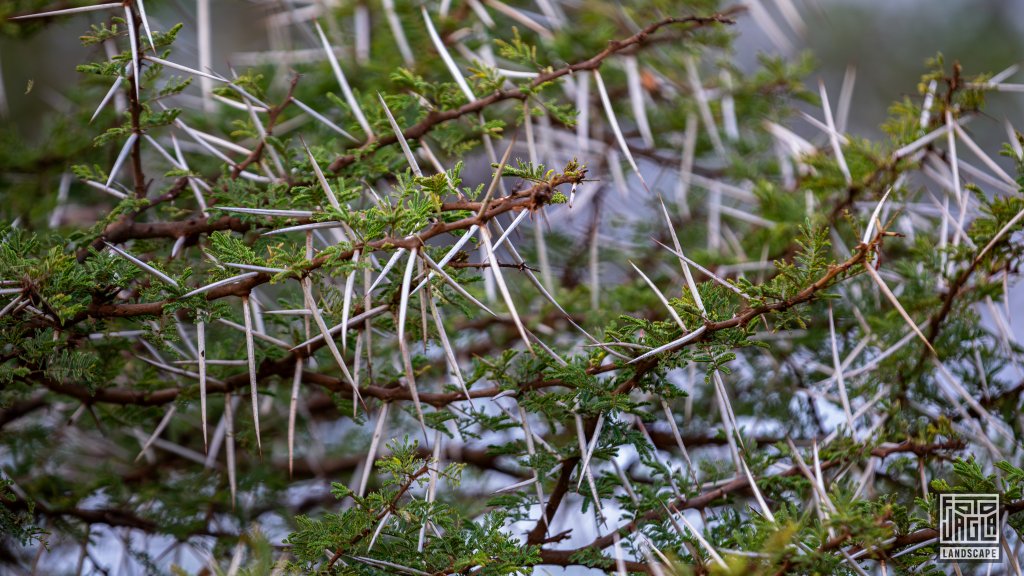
x: 887, y: 43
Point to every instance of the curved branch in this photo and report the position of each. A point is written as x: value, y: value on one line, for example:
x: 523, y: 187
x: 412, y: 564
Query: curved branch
x: 435, y: 118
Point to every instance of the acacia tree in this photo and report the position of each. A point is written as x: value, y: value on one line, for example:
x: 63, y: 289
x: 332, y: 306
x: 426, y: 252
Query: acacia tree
x: 545, y: 284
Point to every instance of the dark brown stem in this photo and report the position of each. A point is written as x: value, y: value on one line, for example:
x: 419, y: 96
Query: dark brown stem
x: 389, y: 509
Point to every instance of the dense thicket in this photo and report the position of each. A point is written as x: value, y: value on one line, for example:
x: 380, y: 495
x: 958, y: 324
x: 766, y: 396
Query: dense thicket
x: 474, y: 287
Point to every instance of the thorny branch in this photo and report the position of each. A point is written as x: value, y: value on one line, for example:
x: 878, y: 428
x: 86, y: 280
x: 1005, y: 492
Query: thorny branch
x: 127, y: 228
x: 708, y: 498
x: 284, y: 366
x: 529, y: 199
x: 434, y: 118
x: 390, y: 508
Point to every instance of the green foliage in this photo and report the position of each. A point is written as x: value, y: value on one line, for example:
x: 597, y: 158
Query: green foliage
x: 17, y: 524
x: 389, y: 520
x: 545, y: 376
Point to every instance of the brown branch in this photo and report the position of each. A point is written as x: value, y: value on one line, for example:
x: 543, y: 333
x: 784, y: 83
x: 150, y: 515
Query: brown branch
x: 135, y: 109
x: 284, y: 366
x: 118, y: 231
x: 272, y: 116
x: 536, y: 536
x: 530, y: 199
x: 949, y: 298
x: 435, y: 117
x: 706, y: 499
x: 114, y: 517
x: 742, y: 319
x: 564, y: 558
x: 22, y: 408
x: 176, y: 229
x: 388, y: 509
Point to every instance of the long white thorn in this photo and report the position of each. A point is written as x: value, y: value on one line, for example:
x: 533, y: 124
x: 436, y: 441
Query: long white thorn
x: 869, y: 232
x: 838, y: 366
x: 444, y: 260
x: 350, y: 98
x: 399, y: 33
x: 142, y: 265
x: 1011, y: 135
x: 448, y: 350
x: 985, y: 158
x: 204, y: 47
x: 121, y: 157
x: 703, y: 542
x: 220, y: 283
x: 178, y: 371
x: 757, y: 492
x: 703, y: 106
x: 145, y: 23
x: 387, y: 268
x: 304, y: 227
x: 899, y: 307
x: 322, y: 119
x: 671, y: 346
x: 921, y: 142
x: 672, y: 311
x: 521, y: 18
x: 371, y: 454
x: 361, y: 23
x: 401, y: 138
x: 447, y: 57
x: 229, y: 423
x: 259, y: 335
x: 954, y: 165
x: 767, y: 24
x: 845, y: 98
x: 581, y: 440
x: 504, y: 236
x: 159, y: 430
x: 613, y: 121
x: 532, y: 451
x: 66, y: 11
x: 732, y: 130
x: 293, y: 406
x: 590, y: 449
x: 833, y: 134
x: 455, y: 285
x: 636, y: 99
x: 331, y: 198
x: 346, y: 307
x: 130, y: 24
x: 109, y: 96
x: 686, y: 164
x: 403, y: 312
x: 268, y: 212
x: 496, y: 179
x: 307, y: 287
x: 354, y: 321
x: 679, y: 440
x: 721, y: 281
x: 250, y: 351
x: 192, y: 181
x: 1002, y: 232
x: 583, y: 105
x: 485, y: 235
x: 682, y: 260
